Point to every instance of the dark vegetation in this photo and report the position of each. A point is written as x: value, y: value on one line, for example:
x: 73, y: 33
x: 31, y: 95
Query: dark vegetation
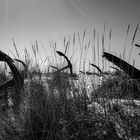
x: 58, y: 105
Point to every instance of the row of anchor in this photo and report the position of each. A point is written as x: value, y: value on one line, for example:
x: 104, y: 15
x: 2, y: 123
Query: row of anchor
x: 18, y: 76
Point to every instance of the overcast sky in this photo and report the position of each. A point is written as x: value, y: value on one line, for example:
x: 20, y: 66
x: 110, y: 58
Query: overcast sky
x: 29, y: 20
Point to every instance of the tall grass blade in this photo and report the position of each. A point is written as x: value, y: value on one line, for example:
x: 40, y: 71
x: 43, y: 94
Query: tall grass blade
x: 64, y: 41
x: 83, y: 40
x: 73, y: 41
x: 52, y: 57
x: 94, y: 51
x: 12, y: 53
x: 103, y: 49
x: 133, y: 41
x: 15, y: 48
x: 135, y: 34
x: 110, y: 34
x: 98, y: 49
x: 126, y: 41
x: 79, y: 40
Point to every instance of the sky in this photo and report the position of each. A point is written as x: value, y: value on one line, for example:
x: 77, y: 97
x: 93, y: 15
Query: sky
x: 51, y: 20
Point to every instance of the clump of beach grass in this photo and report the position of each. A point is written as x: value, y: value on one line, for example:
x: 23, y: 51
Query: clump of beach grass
x: 57, y: 107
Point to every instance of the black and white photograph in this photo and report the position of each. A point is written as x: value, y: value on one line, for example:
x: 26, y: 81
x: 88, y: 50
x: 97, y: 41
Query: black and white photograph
x: 69, y: 69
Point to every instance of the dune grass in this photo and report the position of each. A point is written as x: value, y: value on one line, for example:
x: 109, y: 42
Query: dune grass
x: 56, y: 107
